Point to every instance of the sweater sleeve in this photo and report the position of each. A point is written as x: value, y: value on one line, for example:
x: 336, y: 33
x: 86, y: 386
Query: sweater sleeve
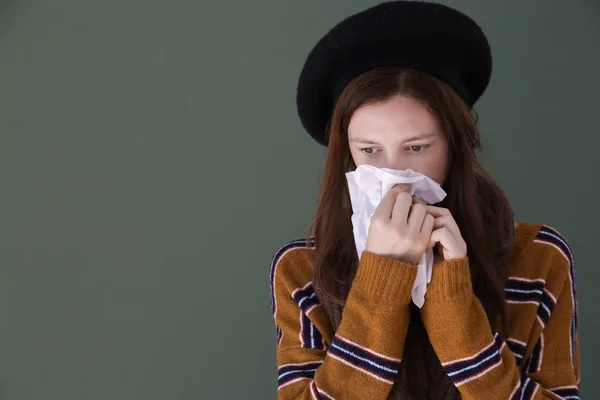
x: 363, y: 356
x: 481, y: 363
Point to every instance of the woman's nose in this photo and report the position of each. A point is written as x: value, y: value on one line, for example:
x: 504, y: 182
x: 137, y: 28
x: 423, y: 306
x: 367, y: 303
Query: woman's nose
x: 395, y: 163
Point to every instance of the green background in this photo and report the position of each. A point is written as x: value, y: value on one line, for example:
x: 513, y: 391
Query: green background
x: 151, y: 163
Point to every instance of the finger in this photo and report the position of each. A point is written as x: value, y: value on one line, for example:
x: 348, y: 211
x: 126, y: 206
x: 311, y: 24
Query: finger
x: 438, y: 211
x: 444, y: 237
x: 427, y: 226
x: 415, y: 200
x: 416, y: 217
x: 449, y: 222
x: 433, y: 240
x: 401, y: 209
x: 384, y: 209
x: 443, y: 214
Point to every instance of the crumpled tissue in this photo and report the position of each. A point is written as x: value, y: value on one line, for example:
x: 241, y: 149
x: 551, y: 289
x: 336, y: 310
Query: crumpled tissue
x: 367, y: 185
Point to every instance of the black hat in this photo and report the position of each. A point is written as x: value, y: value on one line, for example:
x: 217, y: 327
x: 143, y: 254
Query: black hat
x: 426, y: 36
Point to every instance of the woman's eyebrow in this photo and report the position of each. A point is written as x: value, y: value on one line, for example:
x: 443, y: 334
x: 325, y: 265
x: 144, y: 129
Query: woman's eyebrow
x: 410, y: 139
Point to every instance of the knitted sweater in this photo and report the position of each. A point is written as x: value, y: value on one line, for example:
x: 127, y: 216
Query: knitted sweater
x: 538, y: 358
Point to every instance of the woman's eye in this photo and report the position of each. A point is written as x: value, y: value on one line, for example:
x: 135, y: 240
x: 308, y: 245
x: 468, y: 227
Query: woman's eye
x: 414, y: 149
x: 417, y: 149
x: 368, y: 151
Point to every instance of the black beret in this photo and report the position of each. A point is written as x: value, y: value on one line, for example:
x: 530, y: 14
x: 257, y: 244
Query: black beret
x: 421, y: 35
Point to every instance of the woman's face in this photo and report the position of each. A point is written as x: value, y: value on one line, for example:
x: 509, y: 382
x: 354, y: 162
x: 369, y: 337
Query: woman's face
x: 399, y: 133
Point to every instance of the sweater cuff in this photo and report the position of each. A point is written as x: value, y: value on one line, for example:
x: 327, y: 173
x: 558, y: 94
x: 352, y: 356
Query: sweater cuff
x: 384, y: 279
x: 450, y: 280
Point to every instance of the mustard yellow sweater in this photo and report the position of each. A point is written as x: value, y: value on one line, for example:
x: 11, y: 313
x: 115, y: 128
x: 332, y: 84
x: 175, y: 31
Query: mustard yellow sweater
x: 538, y: 359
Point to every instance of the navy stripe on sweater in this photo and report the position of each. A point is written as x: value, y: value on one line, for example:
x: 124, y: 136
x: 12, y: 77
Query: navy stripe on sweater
x: 546, y: 307
x: 567, y: 392
x: 528, y: 387
x: 292, y: 372
x: 279, y: 335
x: 520, y: 290
x: 300, y: 243
x: 310, y: 336
x: 374, y: 364
x: 319, y: 394
x: 464, y: 370
x: 517, y: 348
x: 305, y: 297
x: 526, y: 390
x: 307, y: 300
x: 551, y: 236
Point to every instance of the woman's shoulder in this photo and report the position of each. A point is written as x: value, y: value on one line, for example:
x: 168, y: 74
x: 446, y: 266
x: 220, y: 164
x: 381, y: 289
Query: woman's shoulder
x: 292, y: 263
x: 541, y: 253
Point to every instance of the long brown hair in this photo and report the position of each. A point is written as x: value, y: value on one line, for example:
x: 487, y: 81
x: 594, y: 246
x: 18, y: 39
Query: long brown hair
x: 477, y: 203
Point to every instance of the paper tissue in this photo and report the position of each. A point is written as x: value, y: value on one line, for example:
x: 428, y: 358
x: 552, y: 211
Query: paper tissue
x: 367, y: 185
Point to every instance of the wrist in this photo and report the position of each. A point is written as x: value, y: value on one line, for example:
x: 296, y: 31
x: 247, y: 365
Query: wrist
x: 450, y: 281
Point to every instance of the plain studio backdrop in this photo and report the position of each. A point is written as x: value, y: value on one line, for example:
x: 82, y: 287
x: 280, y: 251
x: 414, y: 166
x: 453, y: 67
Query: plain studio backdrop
x: 151, y: 163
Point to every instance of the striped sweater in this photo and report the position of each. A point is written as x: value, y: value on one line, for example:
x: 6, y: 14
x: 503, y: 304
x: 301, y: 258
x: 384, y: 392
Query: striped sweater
x: 538, y: 358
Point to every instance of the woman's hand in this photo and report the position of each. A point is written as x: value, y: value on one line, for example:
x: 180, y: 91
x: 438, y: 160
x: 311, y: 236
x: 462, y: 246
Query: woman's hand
x: 400, y: 227
x: 446, y: 234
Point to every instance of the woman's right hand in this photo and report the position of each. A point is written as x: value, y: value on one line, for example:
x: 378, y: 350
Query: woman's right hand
x: 400, y: 228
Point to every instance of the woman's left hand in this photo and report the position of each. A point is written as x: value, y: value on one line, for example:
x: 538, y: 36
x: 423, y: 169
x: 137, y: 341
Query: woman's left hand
x: 446, y: 234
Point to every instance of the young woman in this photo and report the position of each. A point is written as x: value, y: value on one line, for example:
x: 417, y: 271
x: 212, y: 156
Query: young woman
x: 393, y: 87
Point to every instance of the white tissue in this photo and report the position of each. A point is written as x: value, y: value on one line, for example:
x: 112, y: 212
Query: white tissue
x: 367, y: 185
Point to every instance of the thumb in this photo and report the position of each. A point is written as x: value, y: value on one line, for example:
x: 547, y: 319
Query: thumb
x: 434, y: 238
